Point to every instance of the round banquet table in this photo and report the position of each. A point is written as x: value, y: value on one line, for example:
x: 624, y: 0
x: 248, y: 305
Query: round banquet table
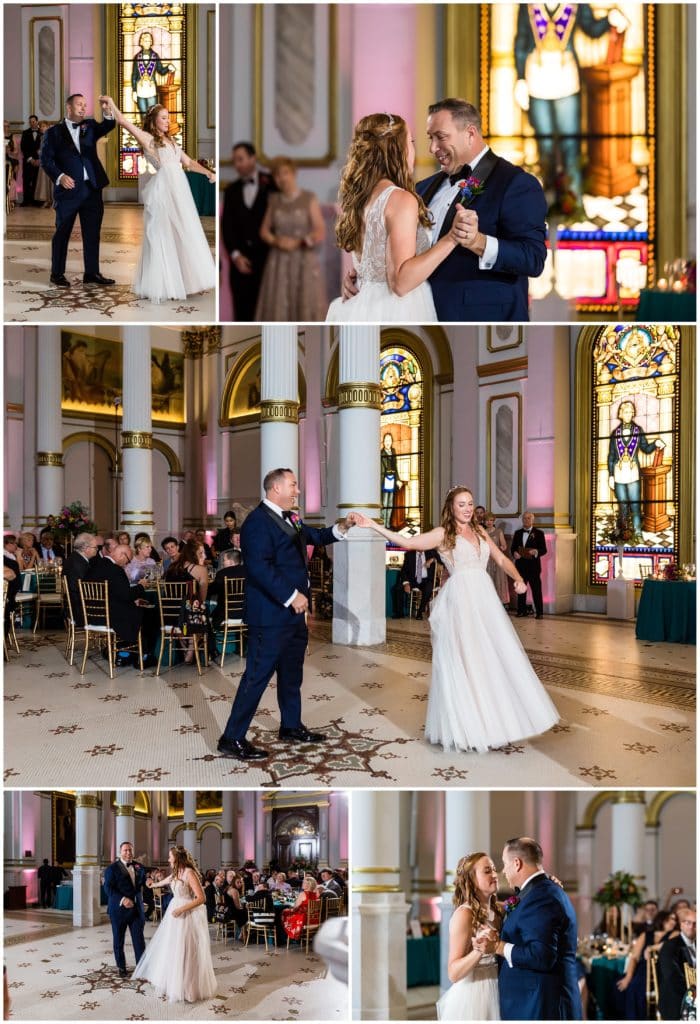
x: 667, y: 612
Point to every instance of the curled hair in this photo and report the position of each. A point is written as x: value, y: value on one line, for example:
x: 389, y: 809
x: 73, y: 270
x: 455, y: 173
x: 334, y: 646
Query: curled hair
x: 377, y: 150
x: 183, y: 859
x: 149, y: 124
x: 448, y: 521
x: 466, y: 892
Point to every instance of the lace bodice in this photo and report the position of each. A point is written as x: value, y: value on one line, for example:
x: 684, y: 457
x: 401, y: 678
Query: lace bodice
x: 181, y: 889
x: 463, y: 555
x: 159, y: 156
x: 488, y: 959
x: 372, y: 264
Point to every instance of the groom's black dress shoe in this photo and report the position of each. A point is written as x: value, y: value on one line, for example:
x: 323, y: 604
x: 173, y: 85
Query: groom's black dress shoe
x: 301, y: 735
x: 60, y: 280
x: 123, y: 973
x: 241, y: 749
x: 97, y: 279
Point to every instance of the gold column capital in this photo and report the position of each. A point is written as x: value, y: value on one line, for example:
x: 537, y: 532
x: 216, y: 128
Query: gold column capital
x: 87, y: 800
x: 50, y: 459
x: 137, y: 439
x: 279, y: 410
x: 359, y: 395
x: 124, y: 810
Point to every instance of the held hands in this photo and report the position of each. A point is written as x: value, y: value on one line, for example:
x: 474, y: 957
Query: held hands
x: 359, y: 519
x: 349, y: 286
x: 465, y: 230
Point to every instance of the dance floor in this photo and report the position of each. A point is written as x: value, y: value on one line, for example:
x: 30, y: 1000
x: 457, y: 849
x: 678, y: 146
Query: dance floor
x: 60, y: 972
x: 627, y: 717
x: 30, y: 296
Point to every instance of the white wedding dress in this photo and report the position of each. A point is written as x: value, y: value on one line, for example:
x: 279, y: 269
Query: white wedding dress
x: 175, y: 259
x: 483, y: 691
x: 375, y: 302
x: 475, y: 997
x: 177, y: 961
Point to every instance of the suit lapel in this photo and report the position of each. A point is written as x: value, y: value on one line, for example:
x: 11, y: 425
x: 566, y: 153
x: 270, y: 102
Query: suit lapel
x: 68, y: 137
x: 279, y: 522
x: 483, y: 171
x: 434, y: 184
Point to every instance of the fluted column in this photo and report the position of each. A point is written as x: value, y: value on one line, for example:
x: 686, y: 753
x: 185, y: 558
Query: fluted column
x: 467, y: 830
x: 86, y: 873
x: 136, y: 511
x: 49, y: 447
x: 228, y: 819
x: 189, y: 831
x: 279, y: 405
x: 124, y: 814
x: 359, y: 562
x: 379, y: 908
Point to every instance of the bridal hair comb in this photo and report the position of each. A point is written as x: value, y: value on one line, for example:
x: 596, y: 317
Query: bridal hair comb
x: 389, y: 126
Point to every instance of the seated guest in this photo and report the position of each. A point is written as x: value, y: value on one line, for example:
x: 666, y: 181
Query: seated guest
x: 190, y: 566
x: 99, y: 544
x: 201, y: 537
x: 11, y: 574
x: 124, y: 538
x: 141, y: 561
x: 49, y: 549
x: 279, y: 883
x: 27, y: 554
x: 109, y: 542
x: 330, y: 884
x: 294, y: 918
x: 227, y: 537
x: 417, y: 571
x: 210, y: 888
x: 76, y: 567
x: 294, y: 878
x: 234, y: 890
x: 172, y: 552
x: 673, y: 955
x: 126, y: 603
x: 261, y: 899
x: 229, y: 568
x: 155, y: 555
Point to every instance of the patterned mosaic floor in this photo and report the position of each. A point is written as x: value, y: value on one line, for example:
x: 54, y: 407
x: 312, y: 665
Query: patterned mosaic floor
x: 29, y: 296
x: 627, y: 717
x: 73, y: 977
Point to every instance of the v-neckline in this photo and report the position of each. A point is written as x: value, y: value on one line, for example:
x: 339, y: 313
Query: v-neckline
x: 476, y: 548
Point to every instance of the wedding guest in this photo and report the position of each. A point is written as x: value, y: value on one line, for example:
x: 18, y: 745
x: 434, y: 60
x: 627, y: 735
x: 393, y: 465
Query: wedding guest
x: 200, y: 536
x: 141, y: 562
x: 44, y: 876
x: 126, y: 605
x: 30, y: 144
x: 49, y: 548
x: 292, y: 286
x: 154, y: 550
x: 43, y: 191
x: 12, y: 156
x: 76, y: 568
x: 245, y: 203
x: 227, y: 537
x: 27, y: 555
x: 673, y: 955
x: 230, y: 568
x: 171, y: 550
x: 528, y: 547
x: 417, y: 572
x: 500, y: 580
x: 330, y: 884
x: 294, y: 918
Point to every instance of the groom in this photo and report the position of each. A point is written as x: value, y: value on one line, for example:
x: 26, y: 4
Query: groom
x: 537, y: 978
x: 69, y: 157
x: 123, y: 882
x: 274, y: 544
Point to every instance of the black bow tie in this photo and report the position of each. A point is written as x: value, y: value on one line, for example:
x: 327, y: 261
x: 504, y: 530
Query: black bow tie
x: 516, y: 890
x: 249, y: 181
x: 287, y: 515
x: 463, y: 172
x: 76, y: 124
x: 128, y: 863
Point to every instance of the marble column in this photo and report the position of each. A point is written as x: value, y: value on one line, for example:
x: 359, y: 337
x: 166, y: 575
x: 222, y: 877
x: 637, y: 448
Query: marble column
x: 427, y: 853
x: 359, y: 573
x: 585, y: 852
x: 193, y: 349
x: 216, y: 458
x: 379, y: 908
x: 189, y: 828
x: 124, y: 814
x: 136, y: 512
x: 228, y: 822
x: 652, y: 837
x: 49, y: 447
x: 323, y: 837
x: 86, y: 873
x: 628, y: 813
x: 467, y: 830
x: 279, y: 405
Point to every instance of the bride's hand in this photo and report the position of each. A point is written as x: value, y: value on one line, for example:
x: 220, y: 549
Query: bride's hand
x: 520, y: 587
x: 359, y: 519
x: 177, y: 912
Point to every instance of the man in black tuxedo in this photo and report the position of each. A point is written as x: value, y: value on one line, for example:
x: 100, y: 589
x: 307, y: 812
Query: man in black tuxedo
x: 126, y: 603
x: 76, y: 568
x: 30, y: 144
x: 44, y: 874
x: 69, y: 157
x: 123, y: 882
x: 528, y: 547
x: 673, y: 954
x: 418, y: 570
x: 231, y: 569
x: 245, y: 202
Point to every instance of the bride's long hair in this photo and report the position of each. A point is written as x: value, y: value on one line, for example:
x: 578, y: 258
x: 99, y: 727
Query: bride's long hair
x: 149, y: 123
x: 378, y: 150
x: 466, y: 892
x: 183, y: 859
x: 448, y: 521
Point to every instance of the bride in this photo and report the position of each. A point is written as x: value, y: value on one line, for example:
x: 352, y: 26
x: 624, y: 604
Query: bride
x: 177, y: 961
x: 474, y: 975
x: 175, y: 259
x: 386, y: 226
x: 483, y: 691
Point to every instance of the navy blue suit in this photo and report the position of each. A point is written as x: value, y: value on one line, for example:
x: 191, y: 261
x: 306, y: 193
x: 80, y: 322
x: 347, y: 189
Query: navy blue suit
x: 275, y: 561
x: 59, y: 155
x: 542, y: 984
x: 118, y: 885
x: 512, y: 208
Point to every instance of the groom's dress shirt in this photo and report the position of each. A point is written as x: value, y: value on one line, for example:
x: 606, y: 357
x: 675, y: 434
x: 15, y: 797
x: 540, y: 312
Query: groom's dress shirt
x: 338, y: 534
x: 441, y: 203
x: 132, y: 875
x: 508, y: 946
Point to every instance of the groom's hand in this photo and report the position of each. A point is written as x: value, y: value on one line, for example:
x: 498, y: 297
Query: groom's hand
x: 300, y: 604
x: 349, y: 286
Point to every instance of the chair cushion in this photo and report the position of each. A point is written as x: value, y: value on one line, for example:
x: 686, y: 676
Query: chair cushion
x: 98, y: 629
x: 232, y: 622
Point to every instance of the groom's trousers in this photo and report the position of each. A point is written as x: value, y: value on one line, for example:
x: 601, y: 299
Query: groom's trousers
x: 84, y: 202
x: 135, y: 926
x: 270, y: 649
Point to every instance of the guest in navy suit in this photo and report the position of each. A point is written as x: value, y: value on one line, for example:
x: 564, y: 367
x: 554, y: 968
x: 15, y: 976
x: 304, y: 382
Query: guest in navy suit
x: 486, y: 277
x: 123, y: 882
x: 537, y: 977
x: 274, y: 547
x: 69, y: 157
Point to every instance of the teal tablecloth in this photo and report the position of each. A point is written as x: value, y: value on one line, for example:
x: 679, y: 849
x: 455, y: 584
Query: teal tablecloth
x: 423, y: 961
x: 667, y: 612
x: 64, y: 897
x: 203, y: 193
x: 666, y: 307
x: 602, y: 982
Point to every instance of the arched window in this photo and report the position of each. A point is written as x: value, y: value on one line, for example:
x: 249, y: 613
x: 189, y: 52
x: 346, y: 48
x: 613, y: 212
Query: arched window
x: 402, y: 439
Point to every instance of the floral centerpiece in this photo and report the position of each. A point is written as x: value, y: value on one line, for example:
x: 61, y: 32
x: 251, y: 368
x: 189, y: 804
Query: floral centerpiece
x: 618, y: 889
x: 75, y: 518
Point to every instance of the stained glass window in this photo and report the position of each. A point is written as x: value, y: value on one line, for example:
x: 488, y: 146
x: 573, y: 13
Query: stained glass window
x: 635, y: 452
x: 567, y: 92
x: 152, y: 69
x: 401, y: 440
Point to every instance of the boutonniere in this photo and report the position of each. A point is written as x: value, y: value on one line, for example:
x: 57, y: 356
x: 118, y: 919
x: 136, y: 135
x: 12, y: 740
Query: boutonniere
x: 296, y: 522
x: 510, y: 904
x: 469, y: 188
x: 83, y: 128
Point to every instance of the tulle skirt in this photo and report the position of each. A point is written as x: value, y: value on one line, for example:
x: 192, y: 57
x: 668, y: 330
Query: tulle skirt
x: 175, y: 260
x: 483, y: 691
x: 177, y: 961
x: 376, y: 303
x: 471, y: 999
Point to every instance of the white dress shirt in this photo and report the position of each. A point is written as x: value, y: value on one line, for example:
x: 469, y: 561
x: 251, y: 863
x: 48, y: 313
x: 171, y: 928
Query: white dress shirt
x: 508, y: 946
x: 338, y: 534
x: 132, y: 875
x: 440, y: 204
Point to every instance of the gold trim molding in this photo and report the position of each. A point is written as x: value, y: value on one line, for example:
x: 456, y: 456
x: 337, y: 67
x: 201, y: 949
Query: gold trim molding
x: 376, y: 888
x: 273, y: 410
x: 137, y: 439
x: 359, y: 395
x: 50, y: 459
x: 87, y: 800
x: 518, y: 365
x: 375, y: 871
x: 653, y: 815
x: 124, y: 810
